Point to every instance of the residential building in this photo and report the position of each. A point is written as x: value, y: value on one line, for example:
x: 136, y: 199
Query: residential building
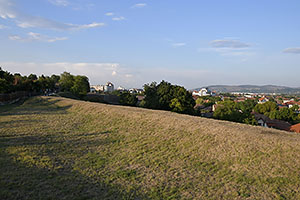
x: 97, y: 88
x: 263, y: 100
x: 135, y: 91
x: 265, y: 121
x: 109, y: 87
x: 203, y: 92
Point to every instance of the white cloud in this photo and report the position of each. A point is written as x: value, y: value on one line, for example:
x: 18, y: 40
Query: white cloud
x: 293, y: 50
x: 139, y: 5
x: 232, y: 44
x: 85, y: 26
x: 59, y: 2
x: 109, y: 14
x: 114, y: 73
x: 180, y: 44
x: 14, y: 37
x: 6, y: 11
x: 118, y: 18
x: 31, y: 36
x: 23, y: 20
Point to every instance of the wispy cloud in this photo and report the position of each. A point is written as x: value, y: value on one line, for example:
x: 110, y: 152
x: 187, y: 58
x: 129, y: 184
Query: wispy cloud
x: 232, y: 44
x: 236, y: 49
x: 3, y: 27
x: 110, y: 14
x: 293, y: 50
x: 139, y: 5
x: 23, y: 20
x: 6, y: 11
x: 118, y: 18
x: 180, y: 44
x: 31, y: 36
x: 59, y: 2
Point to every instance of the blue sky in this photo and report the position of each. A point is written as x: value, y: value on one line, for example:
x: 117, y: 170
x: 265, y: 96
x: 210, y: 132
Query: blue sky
x: 192, y: 43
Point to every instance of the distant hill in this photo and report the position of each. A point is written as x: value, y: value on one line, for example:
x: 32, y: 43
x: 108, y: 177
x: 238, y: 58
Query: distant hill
x: 58, y: 148
x: 254, y: 89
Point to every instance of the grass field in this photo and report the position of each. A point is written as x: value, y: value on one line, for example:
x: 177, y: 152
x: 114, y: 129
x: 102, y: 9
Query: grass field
x: 56, y: 148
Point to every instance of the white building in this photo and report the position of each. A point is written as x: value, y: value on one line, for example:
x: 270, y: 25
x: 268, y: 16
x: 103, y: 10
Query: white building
x: 109, y: 87
x: 120, y: 88
x: 203, y: 92
x: 135, y: 91
x: 97, y: 88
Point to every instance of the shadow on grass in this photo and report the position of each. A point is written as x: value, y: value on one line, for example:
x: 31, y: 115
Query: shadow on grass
x: 19, y: 180
x: 34, y: 105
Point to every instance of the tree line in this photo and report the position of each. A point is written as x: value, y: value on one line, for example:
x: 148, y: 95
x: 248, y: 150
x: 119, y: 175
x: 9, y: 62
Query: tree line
x: 66, y: 82
x: 162, y: 96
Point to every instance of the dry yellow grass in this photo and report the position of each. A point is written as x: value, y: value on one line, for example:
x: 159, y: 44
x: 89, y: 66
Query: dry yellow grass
x: 62, y: 148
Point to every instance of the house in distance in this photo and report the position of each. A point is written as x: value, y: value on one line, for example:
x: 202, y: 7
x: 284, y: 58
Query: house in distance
x: 203, y: 92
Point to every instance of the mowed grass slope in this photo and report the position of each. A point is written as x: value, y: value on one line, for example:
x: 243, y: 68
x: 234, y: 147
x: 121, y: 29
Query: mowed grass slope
x: 56, y: 148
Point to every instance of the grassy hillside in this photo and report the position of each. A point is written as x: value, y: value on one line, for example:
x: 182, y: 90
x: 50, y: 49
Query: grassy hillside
x: 56, y: 148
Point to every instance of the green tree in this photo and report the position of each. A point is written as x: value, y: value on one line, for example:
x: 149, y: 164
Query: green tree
x: 182, y: 101
x: 199, y: 100
x: 165, y: 93
x: 151, y: 97
x: 228, y: 110
x: 4, y: 86
x: 166, y: 96
x: 128, y: 99
x: 266, y: 108
x: 81, y: 86
x: 66, y: 82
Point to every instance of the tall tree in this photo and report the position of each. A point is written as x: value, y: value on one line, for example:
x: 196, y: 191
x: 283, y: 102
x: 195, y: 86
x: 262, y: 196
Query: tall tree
x: 66, y: 81
x: 81, y: 86
x: 166, y: 96
x: 128, y: 99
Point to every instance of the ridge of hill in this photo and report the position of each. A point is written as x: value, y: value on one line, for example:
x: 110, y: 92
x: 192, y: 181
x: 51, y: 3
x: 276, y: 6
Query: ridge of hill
x: 254, y: 89
x: 58, y: 148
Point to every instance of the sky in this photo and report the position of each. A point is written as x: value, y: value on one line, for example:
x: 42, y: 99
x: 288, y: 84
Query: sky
x: 193, y: 43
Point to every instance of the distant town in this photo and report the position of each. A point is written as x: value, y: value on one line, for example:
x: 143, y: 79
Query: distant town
x: 109, y: 87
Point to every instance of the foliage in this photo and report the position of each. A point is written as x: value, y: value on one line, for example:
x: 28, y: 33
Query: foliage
x: 151, y: 98
x: 199, y: 100
x: 271, y: 110
x: 166, y: 96
x: 266, y: 108
x: 182, y: 101
x: 207, y: 100
x: 12, y: 83
x: 66, y: 81
x: 235, y: 111
x: 128, y: 99
x: 81, y: 86
x: 228, y: 110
